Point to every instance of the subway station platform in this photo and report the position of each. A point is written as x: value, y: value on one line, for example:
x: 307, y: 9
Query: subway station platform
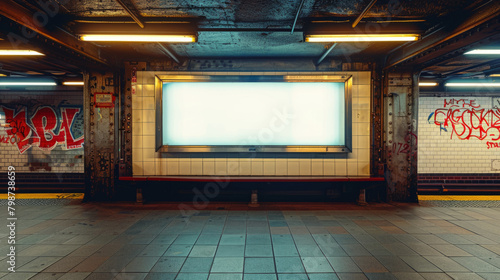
x: 443, y: 237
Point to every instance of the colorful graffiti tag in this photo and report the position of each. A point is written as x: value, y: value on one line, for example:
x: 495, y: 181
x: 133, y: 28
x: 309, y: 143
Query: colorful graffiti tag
x: 45, y: 129
x: 466, y: 120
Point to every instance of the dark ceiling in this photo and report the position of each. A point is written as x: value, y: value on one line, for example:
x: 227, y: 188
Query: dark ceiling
x: 254, y: 29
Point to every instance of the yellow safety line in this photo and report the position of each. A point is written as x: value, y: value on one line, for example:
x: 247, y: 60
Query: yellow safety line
x: 460, y: 197
x: 45, y: 196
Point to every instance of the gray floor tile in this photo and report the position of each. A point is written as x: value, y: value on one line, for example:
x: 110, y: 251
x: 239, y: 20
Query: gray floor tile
x: 168, y: 264
x: 343, y: 264
x: 160, y: 276
x: 203, y: 251
x: 225, y: 276
x: 186, y: 239
x: 465, y: 276
x: 178, y: 250
x: 408, y: 276
x: 141, y: 264
x: 289, y: 265
x: 232, y: 239
x: 419, y: 264
x: 282, y: 239
x: 475, y: 264
x: 259, y: 265
x: 230, y: 251
x: 285, y: 251
x: 316, y: 264
x: 322, y: 276
x: 208, y: 239
x: 292, y: 277
x: 310, y: 251
x: 258, y: 251
x: 351, y: 276
x: 380, y: 276
x: 197, y: 265
x: 258, y: 239
x: 260, y: 277
x: 230, y: 264
x: 192, y: 276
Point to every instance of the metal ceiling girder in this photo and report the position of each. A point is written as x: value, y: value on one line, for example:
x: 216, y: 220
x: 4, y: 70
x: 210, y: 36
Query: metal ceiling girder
x: 363, y: 13
x: 483, y: 15
x: 31, y: 26
x: 132, y: 11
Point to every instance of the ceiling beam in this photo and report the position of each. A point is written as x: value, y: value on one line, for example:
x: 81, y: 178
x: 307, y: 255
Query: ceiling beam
x: 448, y: 32
x: 363, y: 13
x: 131, y: 11
x: 31, y: 26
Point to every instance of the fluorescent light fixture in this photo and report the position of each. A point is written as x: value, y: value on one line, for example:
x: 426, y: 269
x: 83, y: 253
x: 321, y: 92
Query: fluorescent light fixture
x: 138, y: 38
x: 28, y: 84
x: 362, y: 38
x: 487, y: 84
x: 427, y: 84
x: 494, y: 75
x: 73, y: 83
x: 483, y: 52
x: 19, y: 52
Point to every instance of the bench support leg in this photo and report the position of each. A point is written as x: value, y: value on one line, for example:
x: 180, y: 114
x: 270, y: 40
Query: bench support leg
x: 139, y: 198
x: 362, y: 197
x: 254, y: 201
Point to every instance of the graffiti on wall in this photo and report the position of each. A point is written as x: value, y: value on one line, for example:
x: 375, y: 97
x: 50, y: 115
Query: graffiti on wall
x: 45, y: 128
x: 464, y: 119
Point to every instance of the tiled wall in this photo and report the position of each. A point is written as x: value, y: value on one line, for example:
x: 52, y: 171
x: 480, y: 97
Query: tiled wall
x: 450, y: 141
x: 148, y: 162
x: 58, y: 159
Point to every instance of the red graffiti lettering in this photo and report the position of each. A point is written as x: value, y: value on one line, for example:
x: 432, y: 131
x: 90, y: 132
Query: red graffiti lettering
x: 492, y: 145
x: 467, y: 123
x: 44, y: 129
x: 461, y: 103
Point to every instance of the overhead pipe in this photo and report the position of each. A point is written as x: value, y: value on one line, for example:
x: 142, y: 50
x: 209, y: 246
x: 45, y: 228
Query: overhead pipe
x: 169, y: 53
x: 326, y: 53
x: 132, y: 14
x: 297, y: 16
x: 363, y: 13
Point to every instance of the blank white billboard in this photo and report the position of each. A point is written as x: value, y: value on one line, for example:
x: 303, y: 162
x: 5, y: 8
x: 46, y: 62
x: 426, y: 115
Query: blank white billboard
x: 253, y: 113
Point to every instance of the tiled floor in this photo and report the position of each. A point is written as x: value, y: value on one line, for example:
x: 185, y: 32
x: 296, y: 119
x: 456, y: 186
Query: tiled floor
x: 286, y: 242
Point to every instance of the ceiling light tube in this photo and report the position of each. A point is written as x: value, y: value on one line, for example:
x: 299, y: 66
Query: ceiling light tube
x: 138, y: 38
x: 494, y: 75
x: 73, y: 83
x: 28, y: 84
x: 19, y: 52
x: 362, y: 38
x: 427, y: 84
x: 483, y: 52
x: 472, y: 84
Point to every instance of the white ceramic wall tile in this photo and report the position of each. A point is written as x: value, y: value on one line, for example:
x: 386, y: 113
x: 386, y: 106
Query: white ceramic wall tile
x: 149, y: 168
x: 281, y: 166
x: 257, y: 167
x: 293, y: 167
x: 305, y: 167
x: 317, y: 167
x: 136, y: 116
x: 221, y: 166
x: 148, y: 129
x: 208, y: 166
x: 148, y: 154
x: 138, y: 90
x: 184, y: 166
x: 245, y: 166
x: 148, y: 77
x: 148, y: 142
x: 363, y: 168
x: 173, y: 166
x: 269, y: 166
x: 137, y: 142
x: 137, y: 155
x: 148, y: 116
x: 352, y: 168
x: 137, y: 168
x: 148, y: 103
x: 364, y: 91
x: 196, y: 166
x: 329, y: 167
x: 363, y: 78
x: 340, y: 168
x: 233, y: 167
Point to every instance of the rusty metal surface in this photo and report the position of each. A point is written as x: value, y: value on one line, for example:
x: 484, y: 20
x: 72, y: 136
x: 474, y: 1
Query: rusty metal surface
x: 400, y: 135
x: 99, y: 148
